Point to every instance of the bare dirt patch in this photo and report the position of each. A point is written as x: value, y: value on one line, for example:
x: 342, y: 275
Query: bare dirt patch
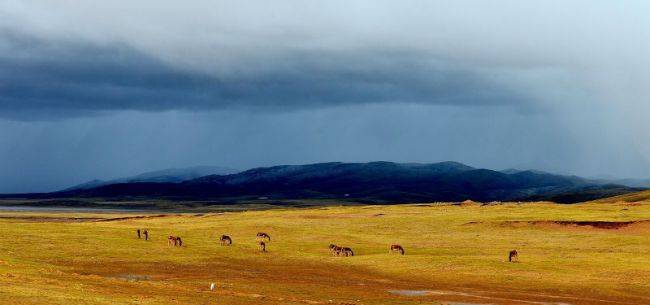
x: 603, y: 225
x: 469, y: 203
x: 606, y: 225
x: 134, y: 217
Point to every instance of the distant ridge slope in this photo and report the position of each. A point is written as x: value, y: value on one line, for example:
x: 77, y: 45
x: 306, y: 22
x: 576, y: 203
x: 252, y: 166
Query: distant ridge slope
x: 160, y: 176
x: 377, y: 182
x: 636, y: 197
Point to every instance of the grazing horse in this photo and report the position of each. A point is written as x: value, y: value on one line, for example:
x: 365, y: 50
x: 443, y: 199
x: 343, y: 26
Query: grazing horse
x: 171, y: 240
x: 332, y: 248
x: 513, y: 256
x: 225, y: 240
x: 335, y: 250
x: 396, y: 248
x: 263, y: 235
x: 347, y: 251
x: 262, y: 246
x: 174, y: 241
x: 138, y: 231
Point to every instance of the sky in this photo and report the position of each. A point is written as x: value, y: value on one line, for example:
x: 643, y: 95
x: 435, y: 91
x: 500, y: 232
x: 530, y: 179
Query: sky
x: 107, y: 89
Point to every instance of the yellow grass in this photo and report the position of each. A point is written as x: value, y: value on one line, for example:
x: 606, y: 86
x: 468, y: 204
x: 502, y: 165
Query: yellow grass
x: 454, y: 253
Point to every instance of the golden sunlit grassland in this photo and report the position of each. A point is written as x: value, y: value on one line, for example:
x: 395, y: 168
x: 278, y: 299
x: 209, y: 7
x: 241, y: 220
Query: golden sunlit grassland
x: 454, y: 253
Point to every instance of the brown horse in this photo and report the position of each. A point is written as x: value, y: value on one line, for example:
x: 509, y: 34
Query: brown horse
x: 146, y: 235
x: 332, y: 248
x: 225, y: 240
x: 396, y: 249
x: 345, y: 251
x: 262, y: 246
x: 263, y: 235
x: 513, y: 256
x: 171, y: 240
x: 174, y: 241
x: 335, y: 250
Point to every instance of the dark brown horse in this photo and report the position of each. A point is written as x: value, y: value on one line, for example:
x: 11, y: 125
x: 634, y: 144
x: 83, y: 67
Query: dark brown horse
x: 345, y: 251
x: 396, y: 249
x: 513, y: 256
x: 225, y: 240
x: 262, y: 246
x: 263, y: 235
x: 340, y: 251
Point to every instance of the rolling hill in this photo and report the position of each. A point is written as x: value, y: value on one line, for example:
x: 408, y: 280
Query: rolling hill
x: 374, y: 182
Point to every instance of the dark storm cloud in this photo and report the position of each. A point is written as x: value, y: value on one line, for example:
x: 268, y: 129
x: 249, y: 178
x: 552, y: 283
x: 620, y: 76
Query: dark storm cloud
x: 38, y: 76
x: 52, y: 79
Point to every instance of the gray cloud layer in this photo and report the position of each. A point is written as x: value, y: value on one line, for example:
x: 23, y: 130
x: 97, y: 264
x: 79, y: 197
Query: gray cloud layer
x: 76, y: 78
x: 76, y: 58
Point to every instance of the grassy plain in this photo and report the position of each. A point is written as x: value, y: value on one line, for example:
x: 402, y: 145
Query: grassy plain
x: 590, y: 253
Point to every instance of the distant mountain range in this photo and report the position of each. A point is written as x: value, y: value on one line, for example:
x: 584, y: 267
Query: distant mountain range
x: 642, y: 183
x: 374, y: 182
x: 170, y: 175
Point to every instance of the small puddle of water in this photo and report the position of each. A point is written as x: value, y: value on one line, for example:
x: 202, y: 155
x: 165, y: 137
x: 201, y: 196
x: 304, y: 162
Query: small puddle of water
x: 411, y: 293
x: 420, y: 293
x: 132, y: 277
x: 427, y: 292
